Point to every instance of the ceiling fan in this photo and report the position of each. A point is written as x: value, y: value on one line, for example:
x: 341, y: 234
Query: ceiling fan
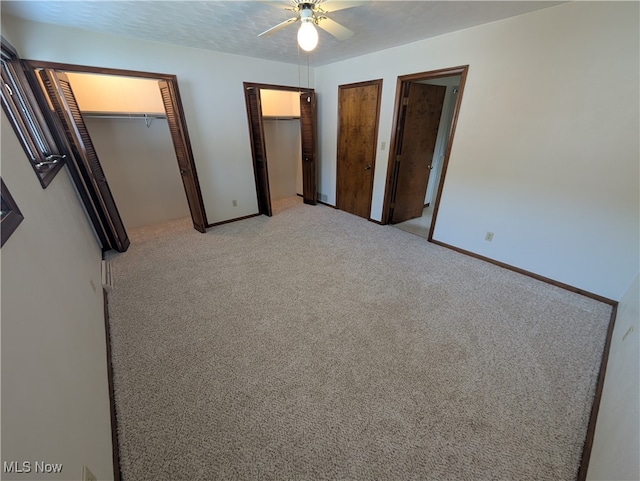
x: 310, y: 13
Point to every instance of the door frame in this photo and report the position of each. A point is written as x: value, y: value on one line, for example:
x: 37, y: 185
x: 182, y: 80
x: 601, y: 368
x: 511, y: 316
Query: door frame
x: 396, y: 136
x: 366, y: 83
x: 177, y: 106
x: 260, y: 190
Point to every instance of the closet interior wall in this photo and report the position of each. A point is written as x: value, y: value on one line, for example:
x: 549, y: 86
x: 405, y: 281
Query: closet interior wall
x: 281, y: 123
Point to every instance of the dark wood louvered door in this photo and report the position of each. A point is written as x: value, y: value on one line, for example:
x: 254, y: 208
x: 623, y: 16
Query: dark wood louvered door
x: 258, y: 149
x: 85, y: 158
x: 422, y: 107
x: 308, y: 140
x: 182, y: 146
x: 358, y: 115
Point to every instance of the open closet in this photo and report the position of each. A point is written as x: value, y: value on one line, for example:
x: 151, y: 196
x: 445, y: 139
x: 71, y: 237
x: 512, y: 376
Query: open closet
x: 144, y: 181
x: 281, y: 122
x: 126, y: 120
x: 282, y: 133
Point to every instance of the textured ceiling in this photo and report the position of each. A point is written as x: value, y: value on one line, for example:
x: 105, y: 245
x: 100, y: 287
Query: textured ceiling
x: 233, y: 27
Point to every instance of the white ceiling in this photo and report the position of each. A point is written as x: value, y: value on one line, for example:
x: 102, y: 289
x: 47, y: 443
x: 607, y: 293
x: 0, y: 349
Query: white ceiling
x: 233, y: 27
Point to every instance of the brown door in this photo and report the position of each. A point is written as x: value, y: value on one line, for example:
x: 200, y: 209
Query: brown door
x: 85, y: 157
x: 308, y: 138
x: 419, y: 130
x: 182, y: 146
x: 258, y: 149
x: 358, y: 114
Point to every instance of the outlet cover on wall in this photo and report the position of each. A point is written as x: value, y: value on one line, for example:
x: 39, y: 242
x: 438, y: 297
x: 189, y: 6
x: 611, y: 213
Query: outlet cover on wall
x: 87, y: 475
x: 489, y: 236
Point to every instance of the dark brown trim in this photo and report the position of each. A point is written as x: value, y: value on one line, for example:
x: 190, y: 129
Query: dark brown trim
x: 593, y: 418
x: 67, y: 67
x: 8, y: 47
x: 447, y: 152
x: 320, y: 202
x: 275, y: 87
x: 115, y: 447
x: 12, y: 219
x: 29, y: 120
x: 328, y: 205
x: 391, y: 171
x: 591, y: 429
x: 234, y: 220
x: 562, y: 285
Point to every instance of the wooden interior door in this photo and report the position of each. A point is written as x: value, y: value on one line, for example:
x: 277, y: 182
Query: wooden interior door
x: 258, y: 149
x: 182, y: 146
x: 85, y: 158
x: 308, y: 140
x: 358, y: 115
x: 422, y: 105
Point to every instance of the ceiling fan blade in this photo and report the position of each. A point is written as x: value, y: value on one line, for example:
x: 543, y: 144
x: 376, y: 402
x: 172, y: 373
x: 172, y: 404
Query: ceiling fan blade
x: 279, y: 26
x: 329, y: 6
x: 334, y: 28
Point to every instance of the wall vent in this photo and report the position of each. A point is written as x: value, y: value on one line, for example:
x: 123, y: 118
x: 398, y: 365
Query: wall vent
x: 107, y: 280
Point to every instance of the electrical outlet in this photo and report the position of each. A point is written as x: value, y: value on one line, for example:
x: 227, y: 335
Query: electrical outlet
x: 235, y: 203
x: 383, y: 145
x: 87, y: 475
x: 489, y: 236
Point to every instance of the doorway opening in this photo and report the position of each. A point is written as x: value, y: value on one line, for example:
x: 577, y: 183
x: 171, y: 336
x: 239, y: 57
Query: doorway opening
x: 55, y: 81
x: 425, y: 115
x: 282, y: 131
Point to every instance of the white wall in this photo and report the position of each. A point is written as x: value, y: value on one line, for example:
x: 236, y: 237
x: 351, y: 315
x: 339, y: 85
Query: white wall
x: 55, y: 399
x: 284, y: 156
x: 210, y: 87
x: 141, y: 168
x: 617, y: 440
x: 546, y: 149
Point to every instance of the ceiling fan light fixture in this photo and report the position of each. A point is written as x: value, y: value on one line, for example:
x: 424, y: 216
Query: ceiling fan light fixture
x: 307, y: 36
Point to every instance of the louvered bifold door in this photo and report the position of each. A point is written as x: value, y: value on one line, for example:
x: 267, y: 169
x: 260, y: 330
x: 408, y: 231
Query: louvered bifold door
x: 86, y: 160
x: 258, y: 150
x: 308, y: 137
x: 182, y: 146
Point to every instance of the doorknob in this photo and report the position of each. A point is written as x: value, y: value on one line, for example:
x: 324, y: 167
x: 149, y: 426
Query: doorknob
x: 368, y: 167
x: 184, y: 171
x: 429, y: 166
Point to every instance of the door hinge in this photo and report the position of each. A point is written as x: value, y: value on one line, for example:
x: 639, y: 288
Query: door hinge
x: 405, y: 100
x: 392, y: 205
x: 398, y: 158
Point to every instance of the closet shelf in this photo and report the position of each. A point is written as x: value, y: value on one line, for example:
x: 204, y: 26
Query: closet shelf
x: 123, y: 115
x: 280, y: 117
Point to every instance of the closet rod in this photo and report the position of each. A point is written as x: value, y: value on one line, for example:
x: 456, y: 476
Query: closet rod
x: 146, y: 117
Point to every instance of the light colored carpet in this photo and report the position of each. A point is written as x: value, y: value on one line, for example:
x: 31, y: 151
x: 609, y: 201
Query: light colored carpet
x: 315, y: 345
